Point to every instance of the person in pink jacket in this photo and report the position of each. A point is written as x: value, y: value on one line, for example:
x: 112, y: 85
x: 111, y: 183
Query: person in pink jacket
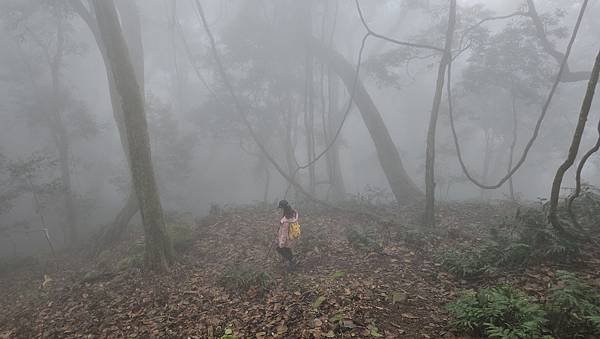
x: 284, y: 243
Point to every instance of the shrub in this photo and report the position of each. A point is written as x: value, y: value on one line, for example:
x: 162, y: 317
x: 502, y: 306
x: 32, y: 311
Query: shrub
x: 181, y: 237
x: 498, y: 312
x: 573, y: 307
x: 312, y: 238
x: 241, y: 278
x: 469, y: 263
x: 363, y: 238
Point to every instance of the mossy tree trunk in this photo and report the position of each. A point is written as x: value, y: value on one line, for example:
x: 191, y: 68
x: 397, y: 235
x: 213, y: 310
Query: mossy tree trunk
x: 158, y: 254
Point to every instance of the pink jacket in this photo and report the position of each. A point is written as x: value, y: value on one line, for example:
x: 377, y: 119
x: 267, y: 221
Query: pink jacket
x: 282, y: 235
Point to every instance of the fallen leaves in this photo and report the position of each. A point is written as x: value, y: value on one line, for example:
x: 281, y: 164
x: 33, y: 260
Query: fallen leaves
x: 336, y: 291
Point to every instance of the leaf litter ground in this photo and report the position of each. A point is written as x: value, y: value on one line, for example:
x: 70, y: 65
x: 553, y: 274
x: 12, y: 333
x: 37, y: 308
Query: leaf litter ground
x: 390, y: 288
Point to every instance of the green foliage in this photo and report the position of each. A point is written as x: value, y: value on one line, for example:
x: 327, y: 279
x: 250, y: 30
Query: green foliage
x: 531, y: 228
x: 338, y: 274
x: 181, y: 237
x: 573, y: 307
x: 134, y: 257
x: 363, y: 238
x: 242, y: 278
x: 530, y: 239
x: 229, y: 334
x: 313, y: 238
x: 498, y: 312
x: 572, y: 310
x: 467, y: 263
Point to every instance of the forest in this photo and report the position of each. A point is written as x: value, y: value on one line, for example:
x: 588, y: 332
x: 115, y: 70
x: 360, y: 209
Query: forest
x: 299, y: 169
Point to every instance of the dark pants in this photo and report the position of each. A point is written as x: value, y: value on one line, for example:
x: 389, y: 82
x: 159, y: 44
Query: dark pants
x: 286, y: 253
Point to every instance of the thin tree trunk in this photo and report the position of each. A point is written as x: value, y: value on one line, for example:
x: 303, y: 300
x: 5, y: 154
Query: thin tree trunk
x: 515, y: 127
x: 487, y: 156
x: 267, y: 184
x: 309, y: 122
x: 429, y: 219
x: 158, y: 254
x: 403, y: 188
x: 336, y: 178
x: 573, y: 149
x: 61, y: 138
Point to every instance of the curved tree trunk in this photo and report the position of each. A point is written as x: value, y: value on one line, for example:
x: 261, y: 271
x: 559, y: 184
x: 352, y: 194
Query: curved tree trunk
x: 573, y: 149
x: 158, y: 252
x: 403, y: 188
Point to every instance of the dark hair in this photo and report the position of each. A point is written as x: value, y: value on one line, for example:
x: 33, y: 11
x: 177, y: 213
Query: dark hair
x: 288, y: 211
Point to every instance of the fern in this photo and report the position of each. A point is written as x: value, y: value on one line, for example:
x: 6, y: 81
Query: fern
x: 498, y: 312
x: 573, y: 307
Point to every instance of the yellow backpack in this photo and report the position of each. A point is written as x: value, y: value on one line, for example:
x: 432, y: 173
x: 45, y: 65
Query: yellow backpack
x: 294, y: 231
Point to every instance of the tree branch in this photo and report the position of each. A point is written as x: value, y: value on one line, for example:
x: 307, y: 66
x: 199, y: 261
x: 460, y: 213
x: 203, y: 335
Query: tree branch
x: 548, y: 46
x: 536, y: 130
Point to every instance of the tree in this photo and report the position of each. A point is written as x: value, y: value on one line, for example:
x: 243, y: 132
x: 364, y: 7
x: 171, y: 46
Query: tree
x: 47, y: 26
x: 429, y: 219
x: 131, y: 26
x: 511, y: 67
x: 158, y: 254
x: 574, y: 148
x: 403, y: 188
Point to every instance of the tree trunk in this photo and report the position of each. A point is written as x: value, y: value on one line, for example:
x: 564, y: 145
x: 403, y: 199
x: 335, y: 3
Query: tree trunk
x: 158, y: 252
x: 131, y: 23
x: 336, y: 179
x: 267, y: 184
x: 487, y: 157
x: 309, y: 122
x: 515, y: 126
x: 574, y: 148
x: 61, y: 139
x: 429, y: 219
x: 402, y: 186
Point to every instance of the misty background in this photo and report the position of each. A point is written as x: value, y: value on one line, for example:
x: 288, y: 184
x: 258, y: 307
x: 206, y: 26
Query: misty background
x: 201, y: 151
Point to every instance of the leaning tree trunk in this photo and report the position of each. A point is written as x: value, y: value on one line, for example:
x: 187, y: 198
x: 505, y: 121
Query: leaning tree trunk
x: 573, y: 149
x: 429, y: 219
x: 403, y: 188
x: 158, y: 252
x: 112, y: 232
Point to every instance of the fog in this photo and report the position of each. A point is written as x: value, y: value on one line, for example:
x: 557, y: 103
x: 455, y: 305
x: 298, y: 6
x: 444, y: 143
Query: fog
x: 404, y: 149
x: 196, y: 141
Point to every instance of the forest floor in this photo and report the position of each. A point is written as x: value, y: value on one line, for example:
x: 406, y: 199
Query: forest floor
x: 228, y: 283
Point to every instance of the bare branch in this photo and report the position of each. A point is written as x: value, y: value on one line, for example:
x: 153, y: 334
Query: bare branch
x: 548, y: 46
x: 394, y: 41
x: 538, y: 123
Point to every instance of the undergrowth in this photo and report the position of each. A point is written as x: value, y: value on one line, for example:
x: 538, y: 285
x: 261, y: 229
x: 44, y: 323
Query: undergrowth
x: 242, y: 278
x: 528, y: 240
x: 498, y: 312
x: 571, y: 310
x: 181, y: 237
x: 363, y: 238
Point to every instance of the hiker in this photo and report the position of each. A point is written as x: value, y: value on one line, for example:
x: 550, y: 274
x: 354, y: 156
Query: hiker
x: 284, y: 243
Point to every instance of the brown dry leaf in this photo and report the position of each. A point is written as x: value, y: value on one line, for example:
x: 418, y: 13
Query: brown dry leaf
x: 409, y: 316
